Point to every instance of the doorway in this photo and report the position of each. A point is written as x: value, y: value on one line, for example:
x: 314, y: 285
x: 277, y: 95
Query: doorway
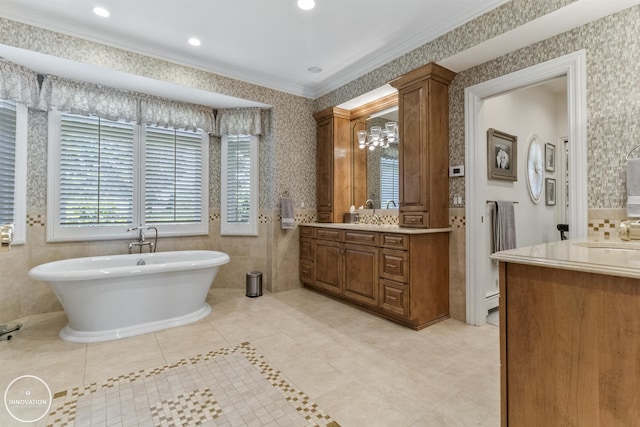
x: 481, y: 276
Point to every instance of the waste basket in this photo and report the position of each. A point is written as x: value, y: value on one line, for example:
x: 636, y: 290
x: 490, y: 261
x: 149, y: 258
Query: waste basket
x: 254, y: 284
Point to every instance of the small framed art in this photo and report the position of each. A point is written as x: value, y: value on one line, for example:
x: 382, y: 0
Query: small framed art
x: 550, y: 192
x: 502, y: 155
x: 549, y: 157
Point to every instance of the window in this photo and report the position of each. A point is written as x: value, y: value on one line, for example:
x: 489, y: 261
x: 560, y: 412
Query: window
x: 239, y: 183
x: 389, y: 178
x: 13, y: 167
x: 106, y: 176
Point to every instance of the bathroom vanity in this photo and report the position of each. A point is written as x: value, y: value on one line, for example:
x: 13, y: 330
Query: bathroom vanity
x: 570, y: 334
x: 398, y: 273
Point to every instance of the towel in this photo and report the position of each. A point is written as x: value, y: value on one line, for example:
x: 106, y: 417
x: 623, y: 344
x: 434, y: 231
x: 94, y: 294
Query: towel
x: 286, y: 212
x: 633, y: 188
x: 504, y: 226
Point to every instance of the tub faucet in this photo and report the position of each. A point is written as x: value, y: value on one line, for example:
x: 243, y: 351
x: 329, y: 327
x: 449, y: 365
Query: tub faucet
x: 141, y: 239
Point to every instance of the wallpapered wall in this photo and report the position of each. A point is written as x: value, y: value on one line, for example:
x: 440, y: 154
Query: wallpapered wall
x: 613, y: 62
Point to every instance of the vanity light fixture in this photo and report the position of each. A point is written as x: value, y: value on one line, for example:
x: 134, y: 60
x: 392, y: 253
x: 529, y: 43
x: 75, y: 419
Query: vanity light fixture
x: 194, y: 41
x: 378, y: 137
x: 306, y: 4
x: 101, y: 11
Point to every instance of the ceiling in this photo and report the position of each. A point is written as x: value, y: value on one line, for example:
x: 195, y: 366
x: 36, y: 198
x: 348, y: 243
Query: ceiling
x: 271, y: 43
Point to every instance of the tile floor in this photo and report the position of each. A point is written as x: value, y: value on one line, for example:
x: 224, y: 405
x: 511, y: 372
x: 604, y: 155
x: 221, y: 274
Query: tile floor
x: 360, y: 369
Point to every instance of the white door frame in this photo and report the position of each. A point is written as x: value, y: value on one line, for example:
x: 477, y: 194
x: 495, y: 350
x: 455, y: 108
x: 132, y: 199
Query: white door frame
x: 573, y: 66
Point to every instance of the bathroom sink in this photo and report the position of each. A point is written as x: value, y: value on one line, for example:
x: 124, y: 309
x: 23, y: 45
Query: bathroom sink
x: 625, y: 246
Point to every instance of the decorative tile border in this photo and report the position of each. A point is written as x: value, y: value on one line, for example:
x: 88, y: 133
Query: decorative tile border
x: 227, y: 384
x: 457, y: 222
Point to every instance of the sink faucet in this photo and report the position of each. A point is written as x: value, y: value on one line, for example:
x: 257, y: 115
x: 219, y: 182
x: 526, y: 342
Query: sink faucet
x: 141, y: 239
x: 367, y: 203
x: 394, y: 204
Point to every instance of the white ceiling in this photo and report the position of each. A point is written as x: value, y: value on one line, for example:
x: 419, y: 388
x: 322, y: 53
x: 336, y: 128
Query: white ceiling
x: 271, y: 43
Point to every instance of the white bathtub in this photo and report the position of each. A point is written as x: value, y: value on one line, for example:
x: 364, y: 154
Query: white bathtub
x: 112, y: 297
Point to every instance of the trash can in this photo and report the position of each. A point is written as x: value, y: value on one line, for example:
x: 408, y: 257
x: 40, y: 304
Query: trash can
x: 254, y: 284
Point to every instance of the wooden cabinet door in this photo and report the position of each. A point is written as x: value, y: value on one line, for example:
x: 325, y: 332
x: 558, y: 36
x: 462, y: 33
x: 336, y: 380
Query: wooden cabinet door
x: 361, y: 273
x: 328, y: 266
x: 324, y: 186
x: 413, y: 150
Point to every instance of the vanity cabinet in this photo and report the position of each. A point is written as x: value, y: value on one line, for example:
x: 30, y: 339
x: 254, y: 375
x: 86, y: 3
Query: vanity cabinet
x: 333, y: 164
x: 344, y: 267
x: 423, y: 109
x: 569, y: 343
x: 403, y: 277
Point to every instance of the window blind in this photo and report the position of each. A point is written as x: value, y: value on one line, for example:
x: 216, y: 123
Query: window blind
x: 388, y: 180
x: 238, y: 190
x: 96, y: 171
x: 7, y: 160
x: 173, y: 176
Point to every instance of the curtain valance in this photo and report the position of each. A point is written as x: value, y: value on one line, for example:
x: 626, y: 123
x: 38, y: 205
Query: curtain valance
x: 87, y: 99
x: 239, y: 121
x: 18, y: 83
x: 167, y: 113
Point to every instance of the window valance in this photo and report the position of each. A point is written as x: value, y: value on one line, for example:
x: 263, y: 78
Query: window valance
x: 87, y: 99
x: 239, y: 121
x: 19, y: 84
x: 167, y: 113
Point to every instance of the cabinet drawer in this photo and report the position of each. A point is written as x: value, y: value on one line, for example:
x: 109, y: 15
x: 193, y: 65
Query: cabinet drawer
x: 361, y: 237
x: 395, y: 241
x: 414, y: 219
x: 394, y: 265
x: 324, y: 217
x: 306, y: 271
x: 308, y: 232
x: 328, y: 234
x: 394, y: 297
x: 307, y: 249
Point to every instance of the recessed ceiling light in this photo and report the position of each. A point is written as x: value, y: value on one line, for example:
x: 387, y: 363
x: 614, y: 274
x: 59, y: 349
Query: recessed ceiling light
x: 101, y: 11
x: 194, y: 41
x: 314, y: 70
x: 306, y: 4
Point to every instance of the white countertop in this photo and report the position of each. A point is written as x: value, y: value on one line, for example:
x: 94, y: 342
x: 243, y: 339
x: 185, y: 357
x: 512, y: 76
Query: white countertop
x: 390, y: 228
x: 614, y: 258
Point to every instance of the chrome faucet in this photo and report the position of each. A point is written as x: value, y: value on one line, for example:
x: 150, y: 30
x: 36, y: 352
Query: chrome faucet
x: 367, y: 203
x: 394, y: 204
x: 141, y: 239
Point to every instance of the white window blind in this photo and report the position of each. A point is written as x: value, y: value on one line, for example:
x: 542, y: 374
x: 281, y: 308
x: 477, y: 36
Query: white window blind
x: 96, y: 171
x: 107, y: 176
x: 388, y: 180
x: 13, y: 167
x: 173, y: 176
x: 7, y: 160
x: 239, y: 185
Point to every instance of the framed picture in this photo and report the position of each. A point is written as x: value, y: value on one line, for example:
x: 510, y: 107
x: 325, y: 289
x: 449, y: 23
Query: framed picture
x: 550, y: 191
x: 549, y: 157
x: 502, y: 155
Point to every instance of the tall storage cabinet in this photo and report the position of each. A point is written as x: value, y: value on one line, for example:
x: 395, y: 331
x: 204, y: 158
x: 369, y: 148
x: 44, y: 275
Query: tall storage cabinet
x: 333, y: 167
x: 423, y: 108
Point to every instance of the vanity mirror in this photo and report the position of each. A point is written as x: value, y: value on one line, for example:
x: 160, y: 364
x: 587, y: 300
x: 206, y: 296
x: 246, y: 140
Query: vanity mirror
x: 375, y: 153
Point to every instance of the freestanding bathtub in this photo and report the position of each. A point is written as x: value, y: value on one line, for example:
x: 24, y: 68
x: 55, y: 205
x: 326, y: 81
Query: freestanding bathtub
x: 119, y: 296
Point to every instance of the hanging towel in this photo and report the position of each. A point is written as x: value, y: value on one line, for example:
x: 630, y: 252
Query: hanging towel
x: 286, y: 212
x: 504, y: 226
x: 633, y: 188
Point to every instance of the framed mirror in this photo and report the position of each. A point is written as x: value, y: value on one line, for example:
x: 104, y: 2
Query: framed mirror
x: 375, y: 142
